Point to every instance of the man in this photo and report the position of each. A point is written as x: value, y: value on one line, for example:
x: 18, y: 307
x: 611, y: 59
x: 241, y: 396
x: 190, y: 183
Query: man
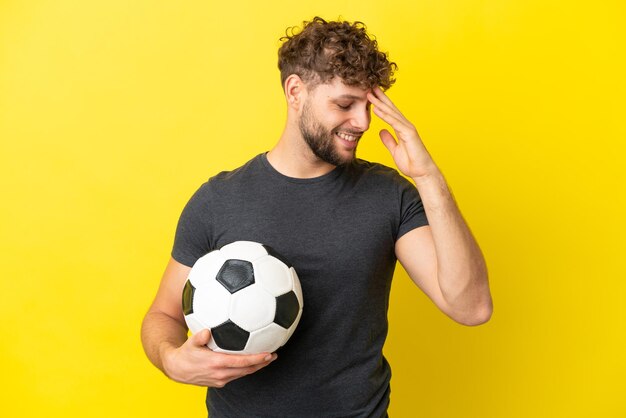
x: 342, y: 222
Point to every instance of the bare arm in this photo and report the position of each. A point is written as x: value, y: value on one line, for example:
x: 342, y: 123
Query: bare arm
x: 164, y: 326
x: 164, y: 338
x: 443, y: 259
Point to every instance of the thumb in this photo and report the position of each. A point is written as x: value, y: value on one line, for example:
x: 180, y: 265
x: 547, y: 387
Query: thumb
x: 201, y: 338
x: 388, y: 140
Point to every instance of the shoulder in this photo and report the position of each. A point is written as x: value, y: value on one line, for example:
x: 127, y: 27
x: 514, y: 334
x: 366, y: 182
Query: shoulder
x: 250, y: 168
x: 230, y: 178
x: 384, y: 182
x: 223, y: 181
x: 379, y: 173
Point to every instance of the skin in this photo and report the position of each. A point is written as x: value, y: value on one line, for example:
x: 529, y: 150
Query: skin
x: 164, y: 338
x: 442, y: 259
x: 322, y: 140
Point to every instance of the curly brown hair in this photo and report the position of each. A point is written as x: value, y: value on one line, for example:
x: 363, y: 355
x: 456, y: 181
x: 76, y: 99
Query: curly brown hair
x: 323, y: 50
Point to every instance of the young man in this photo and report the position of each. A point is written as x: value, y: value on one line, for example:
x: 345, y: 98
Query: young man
x: 342, y: 222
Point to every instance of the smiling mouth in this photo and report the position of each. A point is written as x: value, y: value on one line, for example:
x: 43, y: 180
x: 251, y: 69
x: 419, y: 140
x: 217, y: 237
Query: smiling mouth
x: 348, y: 137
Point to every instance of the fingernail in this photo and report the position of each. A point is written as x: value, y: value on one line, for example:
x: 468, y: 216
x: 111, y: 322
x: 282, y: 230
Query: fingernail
x: 268, y: 357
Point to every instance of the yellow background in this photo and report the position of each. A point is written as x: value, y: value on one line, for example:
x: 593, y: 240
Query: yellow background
x: 112, y: 113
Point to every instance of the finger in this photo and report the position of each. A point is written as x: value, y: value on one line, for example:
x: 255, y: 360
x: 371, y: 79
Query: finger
x: 387, y: 111
x: 403, y: 128
x: 244, y: 360
x: 249, y: 370
x: 391, y: 118
x: 380, y: 95
x: 388, y: 140
x: 229, y: 374
x: 201, y: 338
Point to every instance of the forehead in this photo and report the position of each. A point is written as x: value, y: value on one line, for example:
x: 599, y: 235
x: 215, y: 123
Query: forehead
x: 336, y: 89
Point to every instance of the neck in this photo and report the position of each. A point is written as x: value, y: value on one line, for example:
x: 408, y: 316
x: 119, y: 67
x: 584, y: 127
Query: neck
x: 292, y: 157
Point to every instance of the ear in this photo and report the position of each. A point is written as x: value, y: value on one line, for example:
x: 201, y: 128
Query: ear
x: 295, y: 91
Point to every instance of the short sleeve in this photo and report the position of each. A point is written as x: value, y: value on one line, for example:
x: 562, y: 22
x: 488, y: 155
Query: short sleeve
x: 192, y: 239
x: 412, y: 213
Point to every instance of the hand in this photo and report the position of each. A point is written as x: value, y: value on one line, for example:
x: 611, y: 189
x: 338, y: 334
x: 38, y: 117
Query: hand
x: 409, y: 152
x: 196, y: 364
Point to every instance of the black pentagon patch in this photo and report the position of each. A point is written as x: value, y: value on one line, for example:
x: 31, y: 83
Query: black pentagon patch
x: 229, y: 336
x: 287, y: 308
x: 276, y: 254
x: 188, y: 292
x: 235, y: 275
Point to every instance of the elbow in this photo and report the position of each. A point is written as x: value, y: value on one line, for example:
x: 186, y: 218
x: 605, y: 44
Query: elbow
x: 476, y: 319
x: 472, y: 305
x: 479, y: 316
x: 478, y: 308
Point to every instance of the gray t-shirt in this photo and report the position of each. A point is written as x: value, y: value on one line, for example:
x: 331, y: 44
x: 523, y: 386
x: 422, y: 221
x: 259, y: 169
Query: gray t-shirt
x: 339, y: 232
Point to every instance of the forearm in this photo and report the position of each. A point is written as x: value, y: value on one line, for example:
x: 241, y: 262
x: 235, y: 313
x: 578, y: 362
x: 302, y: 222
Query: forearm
x: 160, y: 332
x: 459, y: 265
x: 461, y: 269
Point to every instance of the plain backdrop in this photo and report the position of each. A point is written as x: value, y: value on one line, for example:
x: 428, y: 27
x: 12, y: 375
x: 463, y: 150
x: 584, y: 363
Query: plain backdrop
x: 112, y: 113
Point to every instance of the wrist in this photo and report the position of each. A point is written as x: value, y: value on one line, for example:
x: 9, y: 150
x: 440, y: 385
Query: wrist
x: 166, y: 352
x: 435, y: 193
x: 430, y: 176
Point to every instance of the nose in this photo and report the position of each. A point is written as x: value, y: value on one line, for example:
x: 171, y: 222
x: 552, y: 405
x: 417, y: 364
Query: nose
x: 361, y: 119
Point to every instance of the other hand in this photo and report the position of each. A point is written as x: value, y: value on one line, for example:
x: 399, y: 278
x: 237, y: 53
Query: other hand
x: 196, y: 364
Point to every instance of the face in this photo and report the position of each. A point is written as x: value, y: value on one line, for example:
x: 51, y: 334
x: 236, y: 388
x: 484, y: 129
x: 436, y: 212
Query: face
x: 333, y: 119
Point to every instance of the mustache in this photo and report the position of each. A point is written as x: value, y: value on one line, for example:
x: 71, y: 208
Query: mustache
x: 349, y: 132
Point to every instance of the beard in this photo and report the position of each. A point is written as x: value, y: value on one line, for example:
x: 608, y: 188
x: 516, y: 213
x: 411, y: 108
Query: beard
x: 320, y: 140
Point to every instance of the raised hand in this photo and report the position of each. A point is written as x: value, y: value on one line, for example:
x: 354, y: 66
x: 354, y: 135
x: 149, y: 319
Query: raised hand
x: 408, y: 152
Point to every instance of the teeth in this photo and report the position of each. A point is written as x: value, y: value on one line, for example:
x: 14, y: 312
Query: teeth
x: 347, y: 137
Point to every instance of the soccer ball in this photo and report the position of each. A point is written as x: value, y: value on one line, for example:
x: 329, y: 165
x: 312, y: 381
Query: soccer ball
x: 248, y: 295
